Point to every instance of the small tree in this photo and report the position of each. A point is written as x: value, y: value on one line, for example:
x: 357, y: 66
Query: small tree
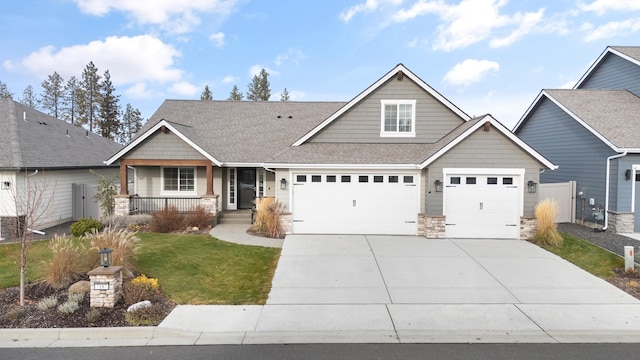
x: 206, y: 94
x: 235, y: 95
x: 106, y: 192
x: 285, y: 95
x: 4, y: 91
x: 259, y: 87
x: 29, y: 98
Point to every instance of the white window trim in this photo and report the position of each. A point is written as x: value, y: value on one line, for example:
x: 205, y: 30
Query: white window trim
x: 398, y: 133
x: 232, y: 190
x: 178, y: 193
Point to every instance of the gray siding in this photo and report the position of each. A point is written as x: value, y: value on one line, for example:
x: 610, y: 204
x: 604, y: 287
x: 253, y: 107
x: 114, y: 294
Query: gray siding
x: 621, y: 187
x: 580, y: 155
x: 484, y: 150
x: 361, y: 124
x: 164, y: 147
x: 149, y: 180
x: 614, y: 72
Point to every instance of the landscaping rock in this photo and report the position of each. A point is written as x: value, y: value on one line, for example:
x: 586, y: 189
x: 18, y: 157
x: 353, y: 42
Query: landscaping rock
x: 139, y: 305
x: 81, y: 287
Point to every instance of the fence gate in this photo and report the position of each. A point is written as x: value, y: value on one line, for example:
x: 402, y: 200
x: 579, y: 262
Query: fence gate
x: 564, y: 196
x: 83, y: 205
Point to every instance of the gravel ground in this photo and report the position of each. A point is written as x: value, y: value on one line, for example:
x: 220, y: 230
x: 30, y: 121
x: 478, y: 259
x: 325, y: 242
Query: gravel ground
x: 610, y: 241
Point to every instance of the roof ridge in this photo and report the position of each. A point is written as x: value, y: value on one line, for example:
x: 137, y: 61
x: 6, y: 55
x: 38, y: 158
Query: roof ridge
x: 14, y: 136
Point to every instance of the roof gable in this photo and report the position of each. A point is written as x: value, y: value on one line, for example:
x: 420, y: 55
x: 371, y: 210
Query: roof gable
x: 399, y: 71
x: 629, y: 53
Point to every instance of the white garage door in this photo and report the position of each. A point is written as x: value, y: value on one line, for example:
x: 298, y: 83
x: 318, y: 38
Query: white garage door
x: 483, y: 206
x: 352, y: 203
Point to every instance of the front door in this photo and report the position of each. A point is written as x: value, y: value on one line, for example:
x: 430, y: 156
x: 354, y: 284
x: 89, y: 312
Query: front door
x: 246, y: 187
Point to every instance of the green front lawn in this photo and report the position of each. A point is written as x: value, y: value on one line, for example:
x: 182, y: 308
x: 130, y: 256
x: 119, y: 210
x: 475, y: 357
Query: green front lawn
x: 10, y: 268
x: 587, y: 256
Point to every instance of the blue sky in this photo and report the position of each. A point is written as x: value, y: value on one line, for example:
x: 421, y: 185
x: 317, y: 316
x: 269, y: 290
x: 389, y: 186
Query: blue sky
x: 486, y: 56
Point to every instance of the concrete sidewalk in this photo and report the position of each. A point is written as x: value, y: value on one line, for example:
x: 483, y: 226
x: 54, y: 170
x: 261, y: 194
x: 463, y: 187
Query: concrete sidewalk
x: 394, y: 289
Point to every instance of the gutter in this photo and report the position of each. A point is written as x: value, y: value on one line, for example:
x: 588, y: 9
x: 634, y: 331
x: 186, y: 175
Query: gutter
x: 606, y: 189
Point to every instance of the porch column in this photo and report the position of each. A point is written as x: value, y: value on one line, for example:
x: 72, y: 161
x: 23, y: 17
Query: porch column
x: 124, y: 181
x: 209, y: 179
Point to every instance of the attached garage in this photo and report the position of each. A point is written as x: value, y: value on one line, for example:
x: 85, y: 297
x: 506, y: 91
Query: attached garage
x: 355, y: 203
x: 483, y: 203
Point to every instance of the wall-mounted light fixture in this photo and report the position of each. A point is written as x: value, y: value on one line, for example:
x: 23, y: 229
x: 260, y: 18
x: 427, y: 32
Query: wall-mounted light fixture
x: 532, y: 186
x: 6, y: 185
x: 627, y: 174
x: 283, y: 184
x: 438, y: 185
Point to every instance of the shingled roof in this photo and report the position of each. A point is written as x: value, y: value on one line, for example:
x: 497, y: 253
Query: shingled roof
x: 34, y: 140
x: 614, y: 114
x: 630, y: 51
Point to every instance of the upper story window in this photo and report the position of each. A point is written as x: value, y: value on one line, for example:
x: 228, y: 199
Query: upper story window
x: 398, y: 118
x: 180, y: 180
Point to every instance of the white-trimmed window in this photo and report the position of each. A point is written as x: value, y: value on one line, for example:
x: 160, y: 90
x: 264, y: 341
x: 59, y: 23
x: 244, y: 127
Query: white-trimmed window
x: 398, y: 118
x: 178, y: 181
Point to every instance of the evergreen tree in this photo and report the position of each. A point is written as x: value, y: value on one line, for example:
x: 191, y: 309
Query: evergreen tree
x: 72, y: 92
x: 259, y: 87
x: 285, y: 95
x: 29, y: 98
x: 89, y: 101
x: 4, y: 91
x: 130, y: 124
x: 52, y: 97
x: 108, y: 125
x: 236, y: 95
x: 206, y: 94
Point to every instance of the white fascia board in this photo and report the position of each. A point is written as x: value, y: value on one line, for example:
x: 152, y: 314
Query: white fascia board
x: 375, y: 86
x: 150, y: 132
x: 341, y: 166
x: 497, y: 125
x: 584, y: 124
x: 240, y: 164
x: 595, y: 64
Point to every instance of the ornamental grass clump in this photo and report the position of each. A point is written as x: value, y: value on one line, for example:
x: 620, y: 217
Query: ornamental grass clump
x: 47, y: 303
x: 547, y: 230
x: 123, y: 243
x: 267, y: 221
x: 67, y: 261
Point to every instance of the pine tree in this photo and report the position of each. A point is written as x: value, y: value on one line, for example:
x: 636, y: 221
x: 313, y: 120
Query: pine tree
x: 108, y: 123
x: 130, y: 124
x: 4, y: 91
x: 206, y: 94
x: 259, y: 87
x: 29, y: 98
x: 52, y: 98
x: 285, y: 95
x: 72, y: 92
x: 89, y: 101
x: 235, y: 95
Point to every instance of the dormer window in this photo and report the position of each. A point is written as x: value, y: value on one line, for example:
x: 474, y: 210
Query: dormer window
x: 398, y: 118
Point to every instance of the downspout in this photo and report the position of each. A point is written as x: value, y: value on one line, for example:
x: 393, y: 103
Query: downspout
x: 606, y: 189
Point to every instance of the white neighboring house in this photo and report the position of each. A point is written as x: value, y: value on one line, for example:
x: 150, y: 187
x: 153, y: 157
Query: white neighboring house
x: 51, y: 158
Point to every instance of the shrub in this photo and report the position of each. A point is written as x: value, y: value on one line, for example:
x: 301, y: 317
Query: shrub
x: 47, y: 303
x: 199, y: 217
x: 139, y: 289
x: 68, y: 260
x: 127, y: 221
x: 267, y: 220
x: 77, y: 297
x: 547, y: 230
x: 166, y: 220
x: 123, y: 243
x: 68, y: 307
x: 84, y: 226
x: 15, y: 314
x: 93, y: 315
x: 148, y: 316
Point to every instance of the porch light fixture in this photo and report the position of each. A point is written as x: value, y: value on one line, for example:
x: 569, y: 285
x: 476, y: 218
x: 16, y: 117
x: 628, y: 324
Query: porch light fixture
x: 283, y: 184
x: 438, y: 185
x: 105, y: 257
x: 532, y: 186
x: 627, y: 174
x: 6, y: 185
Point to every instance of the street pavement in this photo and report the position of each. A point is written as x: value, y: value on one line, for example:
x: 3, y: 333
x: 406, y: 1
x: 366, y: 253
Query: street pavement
x: 392, y: 289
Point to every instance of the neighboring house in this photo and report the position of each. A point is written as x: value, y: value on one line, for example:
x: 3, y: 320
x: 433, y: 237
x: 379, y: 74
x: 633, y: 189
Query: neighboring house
x: 592, y: 132
x: 399, y: 158
x: 42, y: 159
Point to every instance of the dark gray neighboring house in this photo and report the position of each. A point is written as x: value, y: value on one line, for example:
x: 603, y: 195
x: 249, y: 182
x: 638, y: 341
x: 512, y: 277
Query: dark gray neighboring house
x: 40, y: 151
x: 592, y: 132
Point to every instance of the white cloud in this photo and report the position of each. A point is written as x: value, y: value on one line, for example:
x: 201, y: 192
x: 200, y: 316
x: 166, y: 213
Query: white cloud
x: 527, y: 22
x: 175, y: 16
x: 293, y: 56
x: 255, y: 70
x: 184, y: 88
x: 138, y: 91
x: 368, y: 6
x: 297, y: 95
x: 229, y: 79
x: 613, y: 29
x: 217, y: 38
x: 600, y: 7
x: 470, y: 71
x: 130, y: 60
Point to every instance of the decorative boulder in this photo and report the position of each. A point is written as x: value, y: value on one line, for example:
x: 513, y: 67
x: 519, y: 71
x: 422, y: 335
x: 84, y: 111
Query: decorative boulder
x: 81, y: 287
x: 139, y: 305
